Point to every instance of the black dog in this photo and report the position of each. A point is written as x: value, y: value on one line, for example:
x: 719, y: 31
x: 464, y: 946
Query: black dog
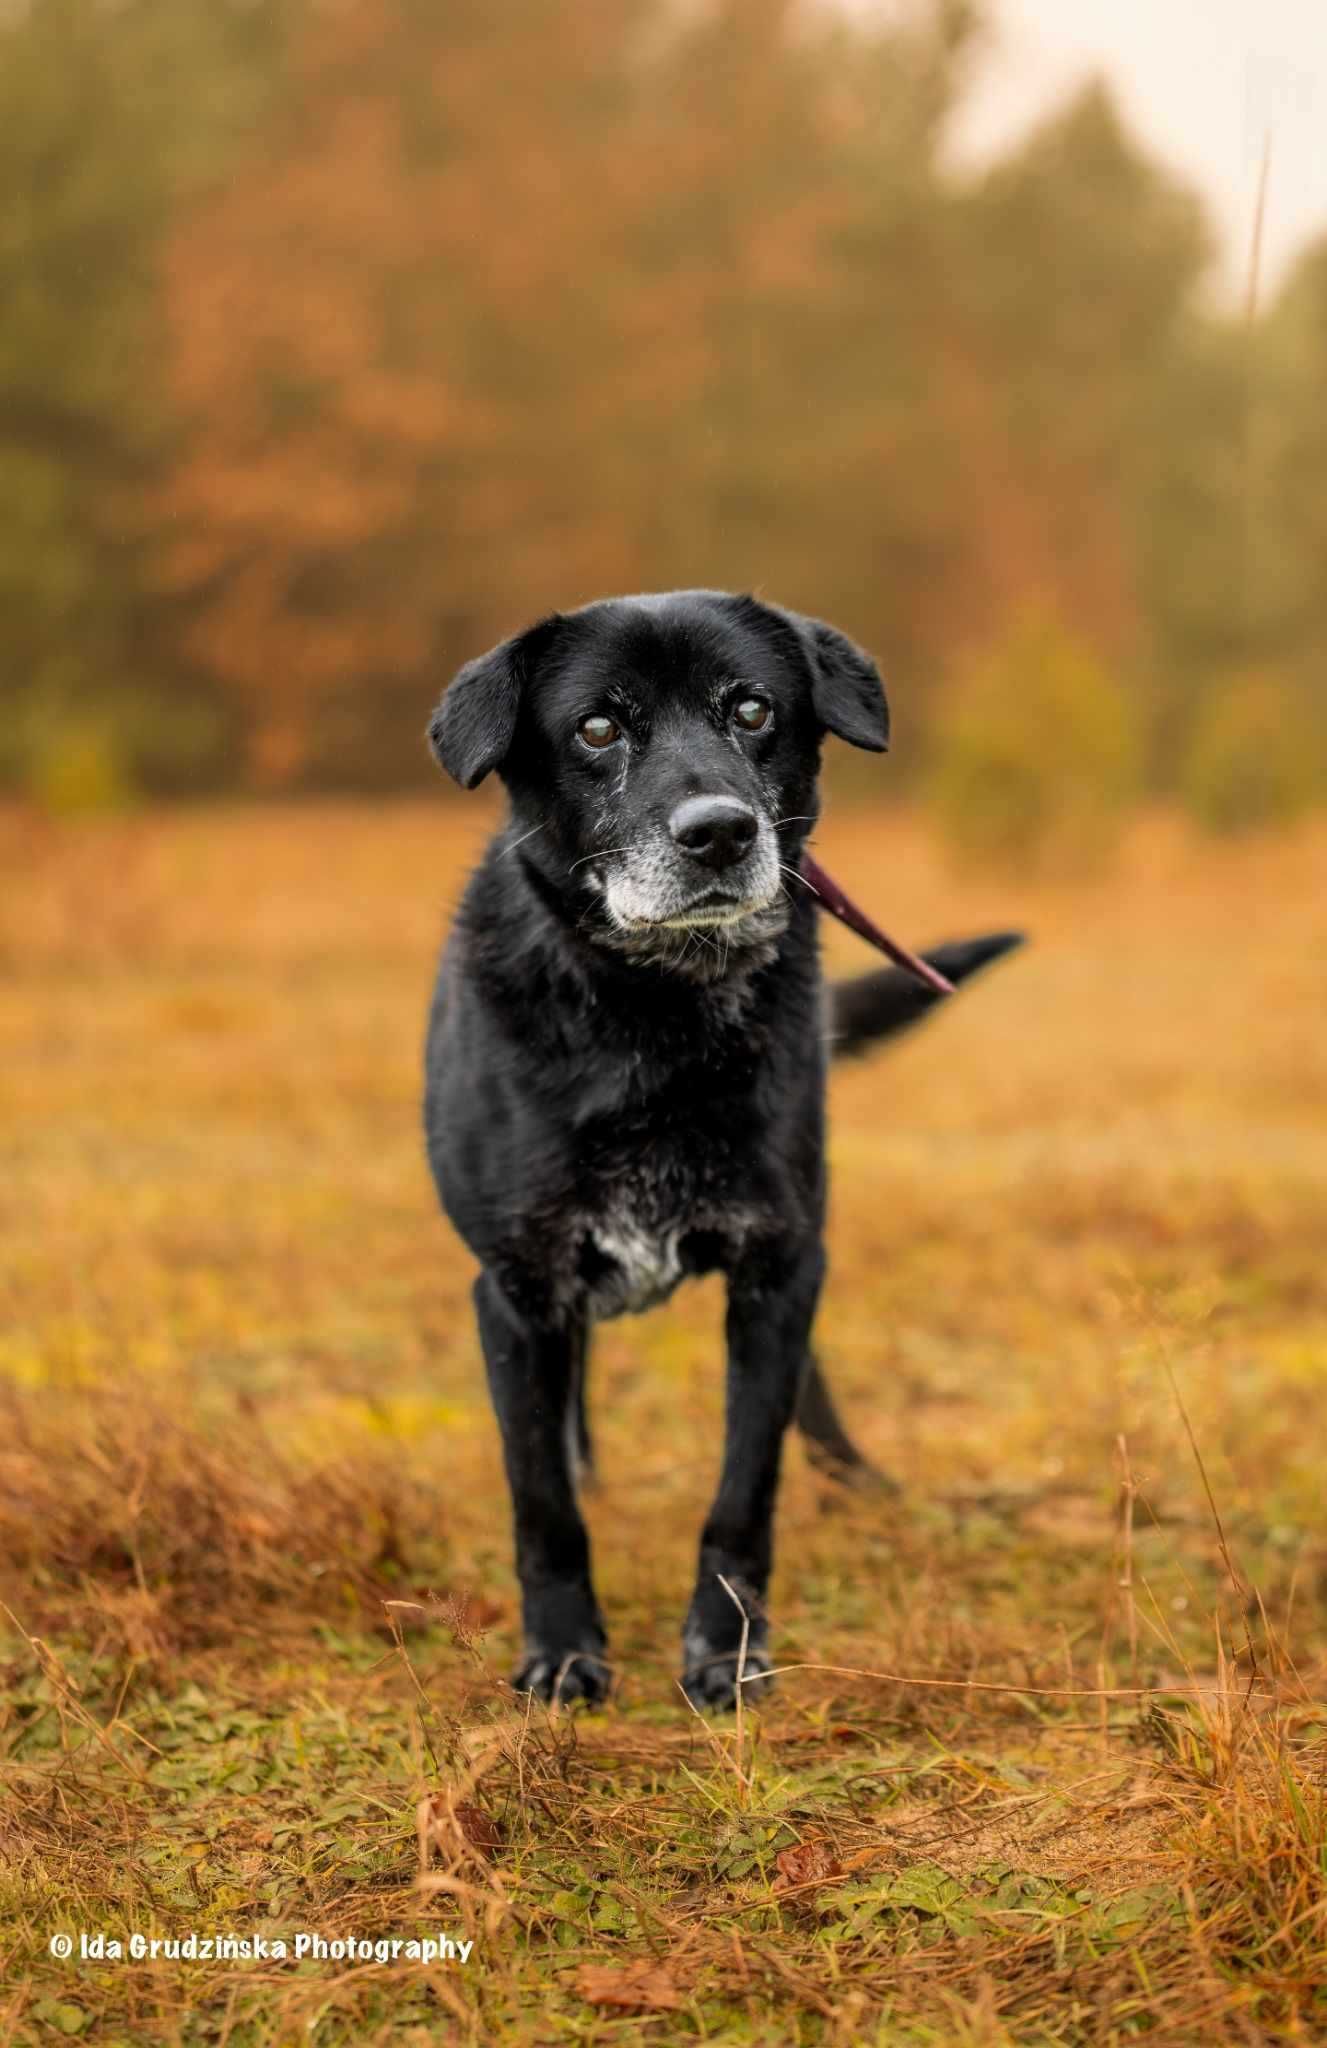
x: 626, y: 1057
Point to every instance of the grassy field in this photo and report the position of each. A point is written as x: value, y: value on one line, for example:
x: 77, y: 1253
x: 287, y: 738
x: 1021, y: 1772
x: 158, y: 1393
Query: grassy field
x: 1051, y: 1763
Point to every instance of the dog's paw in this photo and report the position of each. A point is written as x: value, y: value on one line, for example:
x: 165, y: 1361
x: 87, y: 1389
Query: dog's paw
x: 710, y: 1679
x: 559, y: 1677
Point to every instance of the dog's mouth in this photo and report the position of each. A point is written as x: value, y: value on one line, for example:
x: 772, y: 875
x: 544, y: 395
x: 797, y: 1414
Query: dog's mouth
x: 703, y: 913
x: 655, y: 904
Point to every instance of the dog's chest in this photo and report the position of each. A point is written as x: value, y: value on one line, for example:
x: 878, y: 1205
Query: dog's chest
x: 642, y: 1261
x: 668, y: 1182
x: 642, y: 1237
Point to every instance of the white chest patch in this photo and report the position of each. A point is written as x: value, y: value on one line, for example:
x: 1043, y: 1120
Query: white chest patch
x: 646, y: 1266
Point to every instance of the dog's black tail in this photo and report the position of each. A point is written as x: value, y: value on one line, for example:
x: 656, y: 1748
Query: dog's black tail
x: 880, y: 1005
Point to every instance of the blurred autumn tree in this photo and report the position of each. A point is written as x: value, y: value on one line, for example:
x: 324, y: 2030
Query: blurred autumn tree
x: 1081, y: 264
x: 96, y: 145
x: 1286, y: 463
x: 349, y: 334
x: 1037, y: 756
x: 513, y: 309
x: 1254, y: 759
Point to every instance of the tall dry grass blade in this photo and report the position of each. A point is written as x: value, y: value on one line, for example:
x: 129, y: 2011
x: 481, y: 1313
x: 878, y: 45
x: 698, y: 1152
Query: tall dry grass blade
x: 739, y: 1762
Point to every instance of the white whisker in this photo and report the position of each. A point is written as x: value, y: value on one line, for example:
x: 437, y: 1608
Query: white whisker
x: 602, y: 854
x: 524, y: 836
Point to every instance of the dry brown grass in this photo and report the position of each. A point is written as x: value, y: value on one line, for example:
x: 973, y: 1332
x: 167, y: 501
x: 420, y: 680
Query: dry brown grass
x: 1064, y: 1780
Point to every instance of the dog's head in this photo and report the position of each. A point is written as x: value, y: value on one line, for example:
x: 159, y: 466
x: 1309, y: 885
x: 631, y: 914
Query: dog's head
x: 661, y: 754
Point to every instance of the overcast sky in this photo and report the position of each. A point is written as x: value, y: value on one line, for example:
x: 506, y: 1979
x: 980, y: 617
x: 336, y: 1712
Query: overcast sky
x: 1203, y: 81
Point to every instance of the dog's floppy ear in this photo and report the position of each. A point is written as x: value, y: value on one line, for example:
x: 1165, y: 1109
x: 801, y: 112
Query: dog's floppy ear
x: 472, y: 729
x: 846, y: 689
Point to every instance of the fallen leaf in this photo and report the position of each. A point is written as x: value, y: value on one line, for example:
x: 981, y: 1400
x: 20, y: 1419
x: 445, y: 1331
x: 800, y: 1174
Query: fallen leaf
x: 640, y: 1987
x: 480, y: 1829
x: 809, y: 1862
x: 453, y: 1828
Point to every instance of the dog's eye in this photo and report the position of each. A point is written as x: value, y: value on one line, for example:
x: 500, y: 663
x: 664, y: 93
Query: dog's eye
x: 599, y: 730
x: 751, y: 713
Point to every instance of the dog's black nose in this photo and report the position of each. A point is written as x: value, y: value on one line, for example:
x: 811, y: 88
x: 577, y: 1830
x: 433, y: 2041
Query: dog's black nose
x: 715, y: 830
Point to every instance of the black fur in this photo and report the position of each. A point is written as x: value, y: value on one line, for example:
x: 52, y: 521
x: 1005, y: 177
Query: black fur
x: 626, y: 1059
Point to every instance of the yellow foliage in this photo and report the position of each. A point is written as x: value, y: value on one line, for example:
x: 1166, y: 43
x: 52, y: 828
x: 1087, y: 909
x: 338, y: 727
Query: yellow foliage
x: 1255, y: 760
x: 1038, y: 753
x: 79, y: 770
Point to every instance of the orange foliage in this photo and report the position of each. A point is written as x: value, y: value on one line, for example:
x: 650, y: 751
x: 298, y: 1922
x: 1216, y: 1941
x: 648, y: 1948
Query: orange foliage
x: 500, y: 315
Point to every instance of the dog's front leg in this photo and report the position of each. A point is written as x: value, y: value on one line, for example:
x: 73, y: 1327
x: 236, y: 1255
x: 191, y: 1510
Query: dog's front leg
x: 531, y: 1369
x: 771, y: 1302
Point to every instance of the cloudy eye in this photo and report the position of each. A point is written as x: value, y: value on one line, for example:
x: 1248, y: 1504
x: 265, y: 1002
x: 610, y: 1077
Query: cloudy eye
x: 751, y: 713
x: 599, y: 730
